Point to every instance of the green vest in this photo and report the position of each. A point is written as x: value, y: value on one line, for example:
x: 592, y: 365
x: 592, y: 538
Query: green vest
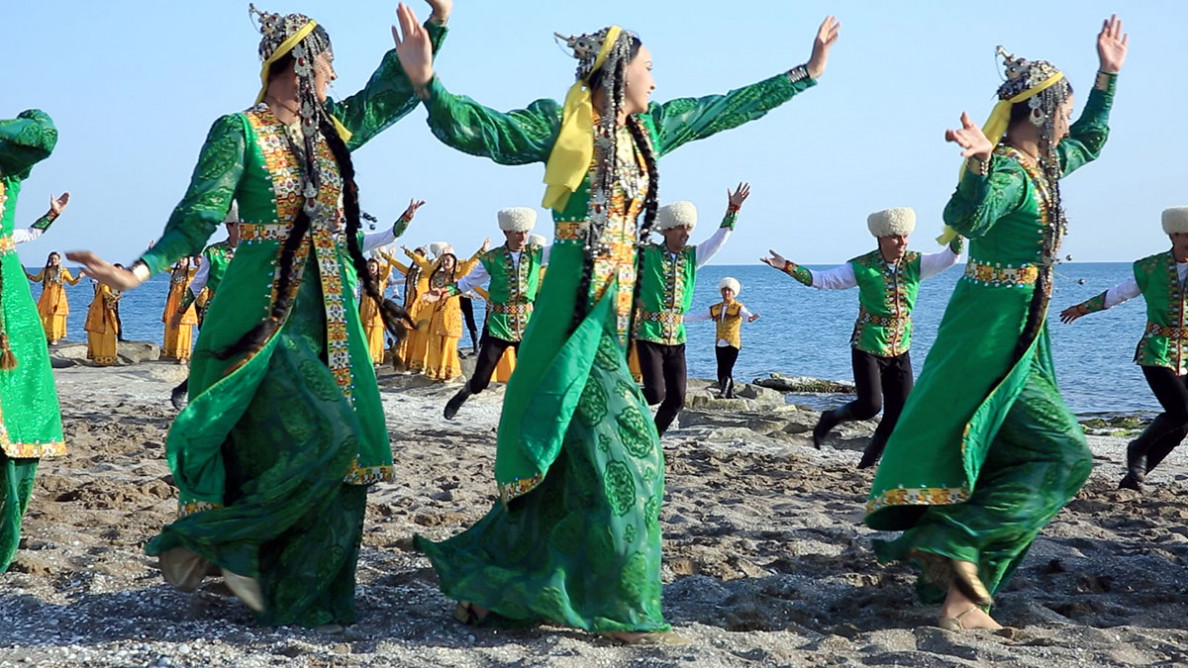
x: 512, y: 290
x: 1165, y: 341
x: 219, y: 256
x: 886, y: 295
x: 665, y: 293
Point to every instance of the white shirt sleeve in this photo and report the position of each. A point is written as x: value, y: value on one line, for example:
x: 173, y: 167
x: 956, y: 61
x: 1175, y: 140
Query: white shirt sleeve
x: 698, y: 317
x: 1124, y: 291
x: 934, y: 263
x: 201, y: 277
x: 476, y: 278
x: 25, y: 235
x: 378, y: 239
x: 710, y: 247
x: 839, y: 278
x: 744, y: 312
x: 544, y: 256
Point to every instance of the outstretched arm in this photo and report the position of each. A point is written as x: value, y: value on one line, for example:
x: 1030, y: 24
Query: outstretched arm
x: 1124, y: 291
x: 734, y: 201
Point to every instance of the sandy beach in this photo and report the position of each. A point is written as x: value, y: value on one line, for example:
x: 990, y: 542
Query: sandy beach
x: 766, y: 560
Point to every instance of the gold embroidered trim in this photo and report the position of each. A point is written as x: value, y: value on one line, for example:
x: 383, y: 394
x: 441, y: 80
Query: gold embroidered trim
x: 999, y: 276
x: 918, y: 496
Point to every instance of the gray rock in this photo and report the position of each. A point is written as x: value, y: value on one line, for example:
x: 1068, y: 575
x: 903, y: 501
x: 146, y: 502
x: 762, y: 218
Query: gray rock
x: 804, y: 384
x: 135, y: 352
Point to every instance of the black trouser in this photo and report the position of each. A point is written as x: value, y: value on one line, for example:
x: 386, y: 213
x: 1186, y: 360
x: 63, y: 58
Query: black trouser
x: 467, y: 305
x: 490, y: 351
x: 879, y: 383
x: 1171, y: 426
x: 663, y: 369
x: 727, y: 356
x: 119, y: 323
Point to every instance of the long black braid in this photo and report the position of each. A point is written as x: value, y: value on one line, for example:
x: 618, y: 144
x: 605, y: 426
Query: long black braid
x: 651, y: 205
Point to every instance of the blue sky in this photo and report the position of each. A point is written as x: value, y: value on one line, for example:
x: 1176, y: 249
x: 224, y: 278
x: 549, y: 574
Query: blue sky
x: 134, y: 87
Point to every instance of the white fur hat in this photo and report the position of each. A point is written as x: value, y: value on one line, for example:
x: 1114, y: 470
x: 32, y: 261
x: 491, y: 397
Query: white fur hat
x: 517, y: 219
x: 892, y: 222
x: 232, y: 213
x: 537, y: 240
x: 732, y: 283
x: 1175, y: 219
x: 437, y: 248
x: 677, y: 214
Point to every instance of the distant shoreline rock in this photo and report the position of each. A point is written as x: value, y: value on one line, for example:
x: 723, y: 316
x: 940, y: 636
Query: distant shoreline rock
x: 65, y: 354
x: 804, y: 384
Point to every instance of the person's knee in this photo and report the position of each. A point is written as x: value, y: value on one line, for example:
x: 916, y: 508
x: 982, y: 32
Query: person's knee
x: 865, y: 408
x: 653, y: 394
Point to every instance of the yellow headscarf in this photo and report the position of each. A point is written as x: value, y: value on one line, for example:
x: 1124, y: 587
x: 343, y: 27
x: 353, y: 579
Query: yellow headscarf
x: 284, y: 48
x: 995, y: 127
x: 571, y: 155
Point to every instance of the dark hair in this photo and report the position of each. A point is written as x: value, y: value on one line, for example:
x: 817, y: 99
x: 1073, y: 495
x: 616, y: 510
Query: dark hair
x: 441, y: 267
x: 1021, y: 111
x: 596, y: 78
x: 280, y: 65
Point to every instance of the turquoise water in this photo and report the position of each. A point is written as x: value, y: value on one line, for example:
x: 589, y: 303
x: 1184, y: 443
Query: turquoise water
x: 806, y: 332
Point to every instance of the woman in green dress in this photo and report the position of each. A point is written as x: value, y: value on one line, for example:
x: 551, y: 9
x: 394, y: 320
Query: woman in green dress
x: 285, y: 428
x: 986, y: 452
x: 574, y: 538
x: 30, y: 420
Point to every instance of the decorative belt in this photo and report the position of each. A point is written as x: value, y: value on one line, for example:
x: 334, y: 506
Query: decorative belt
x: 7, y: 245
x: 865, y: 316
x: 511, y: 309
x: 998, y: 275
x: 1177, y: 333
x: 249, y: 232
x: 670, y: 318
x: 570, y: 230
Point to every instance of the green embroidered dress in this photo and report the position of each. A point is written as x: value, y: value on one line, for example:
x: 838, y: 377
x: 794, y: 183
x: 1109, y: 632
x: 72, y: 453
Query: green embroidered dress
x: 30, y: 420
x: 271, y: 458
x: 575, y: 538
x: 986, y: 452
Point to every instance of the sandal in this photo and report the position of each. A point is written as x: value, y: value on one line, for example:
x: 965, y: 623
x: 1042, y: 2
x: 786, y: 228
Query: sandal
x: 967, y: 581
x: 467, y: 613
x: 954, y: 623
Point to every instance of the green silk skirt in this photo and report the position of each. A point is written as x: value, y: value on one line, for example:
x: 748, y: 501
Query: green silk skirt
x: 16, y: 486
x: 288, y: 518
x: 582, y: 548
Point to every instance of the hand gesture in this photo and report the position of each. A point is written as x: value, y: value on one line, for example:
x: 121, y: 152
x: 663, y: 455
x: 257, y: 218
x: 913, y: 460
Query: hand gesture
x: 413, y: 205
x: 487, y: 245
x: 753, y: 318
x: 739, y: 195
x: 433, y: 296
x: 826, y: 36
x: 776, y: 261
x: 57, y: 206
x: 1071, y: 313
x: 103, y: 271
x: 413, y: 46
x: 441, y: 9
x: 971, y: 139
x: 1111, y: 45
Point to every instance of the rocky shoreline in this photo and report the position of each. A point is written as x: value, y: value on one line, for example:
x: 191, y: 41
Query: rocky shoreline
x: 766, y: 560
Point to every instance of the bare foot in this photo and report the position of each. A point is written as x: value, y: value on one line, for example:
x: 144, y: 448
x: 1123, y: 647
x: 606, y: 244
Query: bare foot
x: 959, y: 612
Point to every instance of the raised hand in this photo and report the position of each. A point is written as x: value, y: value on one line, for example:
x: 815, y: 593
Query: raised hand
x: 776, y: 261
x: 413, y: 46
x: 103, y: 271
x: 971, y: 139
x: 1111, y: 45
x: 441, y: 10
x: 57, y: 206
x: 739, y: 195
x: 826, y: 36
x: 487, y: 245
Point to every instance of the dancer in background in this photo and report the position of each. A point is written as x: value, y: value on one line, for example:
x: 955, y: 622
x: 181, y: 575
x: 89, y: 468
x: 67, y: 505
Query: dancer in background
x: 1162, y: 352
x: 575, y: 538
x: 667, y: 277
x: 285, y: 429
x: 52, y: 306
x: 179, y: 331
x: 102, y: 328
x: 888, y: 279
x: 513, y: 273
x: 445, y: 320
x: 30, y: 419
x: 986, y: 452
x: 728, y: 316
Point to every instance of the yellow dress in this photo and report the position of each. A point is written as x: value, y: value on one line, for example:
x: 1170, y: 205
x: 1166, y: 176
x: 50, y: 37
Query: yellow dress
x: 52, y: 306
x: 373, y: 322
x: 414, y: 348
x: 445, y: 327
x: 101, y: 327
x: 179, y: 340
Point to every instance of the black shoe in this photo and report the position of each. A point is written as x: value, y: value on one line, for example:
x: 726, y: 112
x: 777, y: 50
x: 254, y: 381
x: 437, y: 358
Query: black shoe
x: 456, y: 401
x: 1130, y: 482
x: 873, y: 452
x: 729, y: 393
x: 829, y: 420
x: 1136, y: 463
x: 178, y: 397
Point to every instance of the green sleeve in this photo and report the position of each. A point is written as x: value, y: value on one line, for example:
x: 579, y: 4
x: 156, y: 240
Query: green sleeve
x: 1092, y: 305
x: 980, y: 201
x: 25, y: 141
x: 1088, y: 135
x: 513, y: 138
x: 387, y: 97
x: 207, y: 200
x: 687, y: 119
x: 957, y: 245
x: 43, y: 223
x: 799, y: 273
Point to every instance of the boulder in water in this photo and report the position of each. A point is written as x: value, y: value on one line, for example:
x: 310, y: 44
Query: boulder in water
x: 804, y: 384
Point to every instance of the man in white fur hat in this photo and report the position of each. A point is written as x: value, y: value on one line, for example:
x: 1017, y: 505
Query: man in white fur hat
x: 513, y: 271
x: 728, y: 316
x: 668, y: 273
x: 887, y: 279
x: 1163, y: 350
